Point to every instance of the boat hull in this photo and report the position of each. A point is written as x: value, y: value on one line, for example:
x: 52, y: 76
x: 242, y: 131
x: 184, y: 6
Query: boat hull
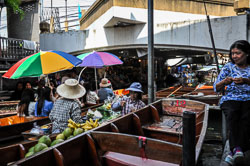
x: 87, y: 149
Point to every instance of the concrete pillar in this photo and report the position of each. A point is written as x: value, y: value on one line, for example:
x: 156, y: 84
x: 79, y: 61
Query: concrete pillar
x: 28, y: 27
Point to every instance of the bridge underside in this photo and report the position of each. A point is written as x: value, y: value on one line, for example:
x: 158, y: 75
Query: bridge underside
x: 160, y: 51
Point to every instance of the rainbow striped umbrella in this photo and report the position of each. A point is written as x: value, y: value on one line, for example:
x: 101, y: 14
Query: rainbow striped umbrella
x: 43, y: 62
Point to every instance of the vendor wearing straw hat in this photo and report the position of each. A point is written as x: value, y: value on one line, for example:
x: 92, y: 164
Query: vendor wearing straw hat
x: 67, y: 106
x: 105, y: 90
x: 133, y: 102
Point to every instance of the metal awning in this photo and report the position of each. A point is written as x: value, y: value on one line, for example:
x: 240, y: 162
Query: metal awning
x: 207, y: 68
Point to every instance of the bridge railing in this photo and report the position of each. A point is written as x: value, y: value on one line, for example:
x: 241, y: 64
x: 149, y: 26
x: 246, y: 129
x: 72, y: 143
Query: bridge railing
x: 15, y: 49
x: 12, y: 50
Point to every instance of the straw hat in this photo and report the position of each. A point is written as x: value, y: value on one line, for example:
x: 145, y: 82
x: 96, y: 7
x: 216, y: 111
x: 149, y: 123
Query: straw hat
x: 136, y: 87
x: 71, y: 89
x: 105, y: 83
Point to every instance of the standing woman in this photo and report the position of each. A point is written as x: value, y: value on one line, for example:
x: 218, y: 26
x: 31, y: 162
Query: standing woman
x: 131, y: 103
x: 68, y: 106
x: 236, y: 101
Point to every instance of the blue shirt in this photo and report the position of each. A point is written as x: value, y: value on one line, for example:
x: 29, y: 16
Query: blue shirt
x: 234, y: 91
x: 104, y: 93
x: 47, y: 107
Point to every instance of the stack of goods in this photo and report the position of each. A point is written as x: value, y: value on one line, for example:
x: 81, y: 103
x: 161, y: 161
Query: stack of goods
x: 103, y: 113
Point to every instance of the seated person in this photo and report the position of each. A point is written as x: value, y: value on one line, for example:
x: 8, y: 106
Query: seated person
x: 91, y: 96
x: 17, y: 94
x: 44, y: 104
x: 27, y: 97
x: 131, y: 103
x: 28, y: 85
x: 68, y: 106
x: 105, y: 90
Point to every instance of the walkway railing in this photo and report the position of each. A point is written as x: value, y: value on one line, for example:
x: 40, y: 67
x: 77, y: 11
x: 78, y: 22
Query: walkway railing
x: 12, y: 50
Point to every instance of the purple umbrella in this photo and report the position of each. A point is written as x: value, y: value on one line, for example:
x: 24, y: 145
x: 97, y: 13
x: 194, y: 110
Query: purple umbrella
x: 97, y: 60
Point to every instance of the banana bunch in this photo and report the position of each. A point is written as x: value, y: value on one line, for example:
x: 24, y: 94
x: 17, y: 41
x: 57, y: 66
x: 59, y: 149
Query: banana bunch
x: 73, y: 124
x: 108, y: 106
x: 88, y: 125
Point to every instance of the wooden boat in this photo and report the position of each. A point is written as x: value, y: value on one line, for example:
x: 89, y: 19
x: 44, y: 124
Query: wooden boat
x: 174, y: 91
x: 204, y: 94
x: 8, y: 108
x: 157, y: 128
x: 11, y: 127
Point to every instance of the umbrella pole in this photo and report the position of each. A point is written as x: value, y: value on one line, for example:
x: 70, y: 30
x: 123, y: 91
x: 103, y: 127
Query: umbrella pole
x: 48, y: 81
x: 95, y: 79
x: 81, y: 74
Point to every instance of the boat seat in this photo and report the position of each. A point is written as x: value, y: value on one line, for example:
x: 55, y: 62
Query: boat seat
x: 119, y: 159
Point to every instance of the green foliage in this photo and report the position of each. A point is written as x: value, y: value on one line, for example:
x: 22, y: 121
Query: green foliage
x: 14, y: 5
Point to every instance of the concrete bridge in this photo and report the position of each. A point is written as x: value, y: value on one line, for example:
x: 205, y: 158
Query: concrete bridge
x: 187, y: 36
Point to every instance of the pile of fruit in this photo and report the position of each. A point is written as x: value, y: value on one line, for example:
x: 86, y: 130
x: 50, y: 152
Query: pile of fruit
x: 73, y: 129
x: 43, y: 143
x: 88, y: 125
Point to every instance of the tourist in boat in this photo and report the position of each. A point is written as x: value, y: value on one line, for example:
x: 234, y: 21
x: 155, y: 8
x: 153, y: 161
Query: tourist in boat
x: 105, y: 91
x: 131, y: 103
x: 17, y: 94
x: 44, y: 104
x: 23, y: 106
x: 236, y: 101
x: 67, y: 106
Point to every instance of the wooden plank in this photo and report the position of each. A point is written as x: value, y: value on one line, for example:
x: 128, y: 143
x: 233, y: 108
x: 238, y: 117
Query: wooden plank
x: 155, y: 114
x: 128, y: 144
x: 12, y: 153
x: 177, y: 106
x: 75, y: 151
x: 92, y: 150
x: 114, y: 128
x: 42, y: 158
x: 137, y: 125
x: 15, y: 120
x: 58, y: 157
x: 118, y: 159
x: 22, y: 151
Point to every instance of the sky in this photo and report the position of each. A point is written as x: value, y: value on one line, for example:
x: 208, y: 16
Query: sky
x: 72, y: 12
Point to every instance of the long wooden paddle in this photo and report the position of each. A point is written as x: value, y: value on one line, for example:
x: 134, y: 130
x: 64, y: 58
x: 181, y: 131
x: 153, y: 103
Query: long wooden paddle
x: 174, y: 91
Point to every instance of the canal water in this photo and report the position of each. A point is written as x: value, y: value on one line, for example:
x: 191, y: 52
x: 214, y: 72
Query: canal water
x: 212, y: 149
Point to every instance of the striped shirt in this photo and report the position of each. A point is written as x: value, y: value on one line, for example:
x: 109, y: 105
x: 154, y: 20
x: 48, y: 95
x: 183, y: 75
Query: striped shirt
x: 129, y: 105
